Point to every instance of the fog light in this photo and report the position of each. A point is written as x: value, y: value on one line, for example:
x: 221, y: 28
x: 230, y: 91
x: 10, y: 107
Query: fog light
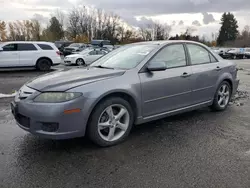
x: 50, y: 127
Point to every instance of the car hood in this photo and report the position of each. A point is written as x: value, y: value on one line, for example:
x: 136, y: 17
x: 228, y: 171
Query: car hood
x: 66, y: 79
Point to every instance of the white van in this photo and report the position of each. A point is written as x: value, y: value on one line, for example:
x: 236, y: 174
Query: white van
x: 40, y: 55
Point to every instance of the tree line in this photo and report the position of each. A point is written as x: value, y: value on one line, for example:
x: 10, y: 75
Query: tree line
x: 82, y: 24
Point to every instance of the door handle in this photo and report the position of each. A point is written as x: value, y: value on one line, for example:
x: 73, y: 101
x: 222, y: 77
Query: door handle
x: 185, y: 74
x: 218, y: 68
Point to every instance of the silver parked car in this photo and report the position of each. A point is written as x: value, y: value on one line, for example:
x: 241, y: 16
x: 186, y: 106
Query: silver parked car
x: 133, y: 84
x: 85, y: 57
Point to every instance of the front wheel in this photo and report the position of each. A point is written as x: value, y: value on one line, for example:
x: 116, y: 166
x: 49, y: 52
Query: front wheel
x: 222, y: 96
x: 111, y: 122
x: 80, y: 62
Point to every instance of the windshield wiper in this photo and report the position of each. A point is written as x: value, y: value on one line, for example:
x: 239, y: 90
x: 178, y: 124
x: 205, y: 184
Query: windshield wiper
x: 102, y: 67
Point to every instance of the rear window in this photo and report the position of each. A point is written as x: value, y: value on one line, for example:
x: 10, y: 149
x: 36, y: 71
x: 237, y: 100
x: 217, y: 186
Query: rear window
x: 45, y: 46
x: 25, y: 47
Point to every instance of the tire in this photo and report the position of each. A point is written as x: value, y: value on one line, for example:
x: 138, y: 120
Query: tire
x: 43, y: 65
x: 217, y: 105
x: 100, y: 135
x: 80, y: 62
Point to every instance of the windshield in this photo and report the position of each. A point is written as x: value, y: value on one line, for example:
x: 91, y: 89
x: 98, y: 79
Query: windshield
x: 126, y: 57
x: 75, y: 45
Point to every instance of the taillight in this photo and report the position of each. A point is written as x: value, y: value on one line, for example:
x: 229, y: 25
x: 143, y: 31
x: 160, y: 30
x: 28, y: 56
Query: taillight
x: 58, y: 53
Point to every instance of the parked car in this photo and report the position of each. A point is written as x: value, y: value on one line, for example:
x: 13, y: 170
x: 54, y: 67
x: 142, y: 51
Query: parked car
x: 222, y: 52
x: 103, y: 44
x: 74, y: 47
x: 133, y: 84
x: 85, y: 57
x: 40, y: 55
x: 96, y: 42
x: 247, y: 53
x: 62, y: 44
x: 236, y: 53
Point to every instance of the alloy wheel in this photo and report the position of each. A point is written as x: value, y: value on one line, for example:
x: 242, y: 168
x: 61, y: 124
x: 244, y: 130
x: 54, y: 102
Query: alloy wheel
x: 113, y: 122
x: 80, y: 62
x: 223, y: 96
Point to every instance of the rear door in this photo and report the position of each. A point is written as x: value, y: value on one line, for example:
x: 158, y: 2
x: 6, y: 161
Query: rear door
x: 28, y: 54
x: 9, y: 57
x: 206, y: 70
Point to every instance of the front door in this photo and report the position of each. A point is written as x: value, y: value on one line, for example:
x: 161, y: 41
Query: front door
x: 9, y: 57
x: 168, y: 90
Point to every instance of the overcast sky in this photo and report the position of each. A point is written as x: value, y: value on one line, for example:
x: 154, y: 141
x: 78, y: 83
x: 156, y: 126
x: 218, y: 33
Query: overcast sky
x: 202, y: 15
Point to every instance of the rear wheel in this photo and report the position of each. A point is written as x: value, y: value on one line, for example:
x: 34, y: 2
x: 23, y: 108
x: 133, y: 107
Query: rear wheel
x: 111, y: 122
x: 222, y: 97
x: 43, y: 65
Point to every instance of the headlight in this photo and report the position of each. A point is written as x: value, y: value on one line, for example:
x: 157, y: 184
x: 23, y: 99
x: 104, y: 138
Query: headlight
x: 56, y: 97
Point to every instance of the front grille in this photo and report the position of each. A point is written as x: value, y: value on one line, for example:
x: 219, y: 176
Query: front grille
x: 23, y: 120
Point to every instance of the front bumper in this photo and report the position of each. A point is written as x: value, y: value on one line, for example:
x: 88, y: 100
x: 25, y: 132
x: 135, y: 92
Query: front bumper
x: 69, y: 61
x: 49, y: 120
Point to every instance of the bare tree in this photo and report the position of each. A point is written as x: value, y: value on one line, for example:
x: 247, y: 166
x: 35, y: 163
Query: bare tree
x: 3, y: 31
x: 36, y: 30
x: 146, y: 33
x: 60, y: 15
x: 12, y: 32
x: 121, y: 31
x: 73, y: 25
x: 102, y: 22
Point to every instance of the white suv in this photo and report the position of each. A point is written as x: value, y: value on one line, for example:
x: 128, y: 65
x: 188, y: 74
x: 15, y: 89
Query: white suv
x: 41, y: 55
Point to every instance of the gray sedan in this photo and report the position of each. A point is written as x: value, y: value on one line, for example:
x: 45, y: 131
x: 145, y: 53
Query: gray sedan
x: 133, y: 84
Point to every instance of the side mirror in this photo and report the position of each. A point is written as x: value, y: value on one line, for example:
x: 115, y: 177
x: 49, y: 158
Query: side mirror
x: 156, y: 66
x: 1, y: 49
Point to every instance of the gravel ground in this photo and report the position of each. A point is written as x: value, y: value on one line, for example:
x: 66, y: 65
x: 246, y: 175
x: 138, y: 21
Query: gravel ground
x: 195, y: 149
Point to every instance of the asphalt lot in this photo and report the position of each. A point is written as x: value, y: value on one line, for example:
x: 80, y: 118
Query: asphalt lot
x: 195, y: 149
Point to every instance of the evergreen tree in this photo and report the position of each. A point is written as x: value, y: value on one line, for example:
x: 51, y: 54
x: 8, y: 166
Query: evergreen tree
x: 55, y: 29
x: 229, y: 29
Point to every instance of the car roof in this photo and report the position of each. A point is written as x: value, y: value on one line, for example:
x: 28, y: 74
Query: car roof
x: 163, y: 42
x: 31, y: 42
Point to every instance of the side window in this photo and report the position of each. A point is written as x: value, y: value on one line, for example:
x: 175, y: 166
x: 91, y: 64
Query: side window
x: 92, y: 52
x: 10, y: 47
x: 45, y: 47
x: 212, y: 58
x: 104, y: 52
x: 172, y: 56
x: 101, y: 53
x: 198, y: 55
x: 26, y: 47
